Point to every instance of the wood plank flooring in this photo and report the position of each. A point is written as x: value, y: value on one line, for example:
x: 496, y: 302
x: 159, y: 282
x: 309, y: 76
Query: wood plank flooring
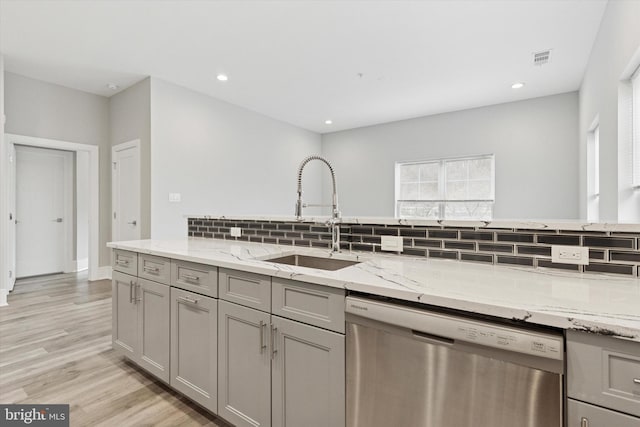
x: 55, y: 347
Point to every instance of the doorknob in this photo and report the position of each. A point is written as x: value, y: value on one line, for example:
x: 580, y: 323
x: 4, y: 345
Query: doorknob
x: 132, y: 222
x: 57, y: 220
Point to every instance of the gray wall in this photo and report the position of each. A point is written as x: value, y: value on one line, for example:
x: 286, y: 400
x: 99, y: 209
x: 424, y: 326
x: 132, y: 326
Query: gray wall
x: 616, y: 43
x: 535, y: 143
x: 44, y: 110
x: 129, y: 119
x: 222, y: 158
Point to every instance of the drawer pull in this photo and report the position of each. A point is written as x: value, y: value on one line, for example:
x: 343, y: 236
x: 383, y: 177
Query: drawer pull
x: 584, y: 422
x: 274, y: 335
x: 636, y: 380
x: 189, y: 300
x: 131, y: 284
x: 122, y: 262
x: 262, y: 344
x: 151, y: 269
x: 190, y: 277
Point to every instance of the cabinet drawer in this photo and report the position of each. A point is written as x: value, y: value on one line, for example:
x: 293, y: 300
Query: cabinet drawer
x: 154, y: 268
x: 604, y: 371
x: 313, y: 304
x: 249, y: 289
x: 199, y: 278
x: 584, y: 415
x: 125, y: 262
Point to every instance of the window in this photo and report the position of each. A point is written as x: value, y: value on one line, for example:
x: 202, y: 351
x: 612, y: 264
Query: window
x: 461, y: 188
x: 635, y: 125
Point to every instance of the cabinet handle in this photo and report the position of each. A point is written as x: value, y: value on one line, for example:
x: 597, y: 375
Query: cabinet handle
x: 131, y: 291
x: 274, y: 350
x: 262, y: 344
x: 151, y: 269
x: 189, y: 300
x: 138, y: 299
x: 584, y: 422
x: 636, y: 380
x: 122, y: 262
x: 190, y: 277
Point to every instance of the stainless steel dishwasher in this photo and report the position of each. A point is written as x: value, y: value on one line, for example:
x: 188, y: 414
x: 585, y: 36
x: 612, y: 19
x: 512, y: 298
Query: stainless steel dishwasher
x: 415, y: 368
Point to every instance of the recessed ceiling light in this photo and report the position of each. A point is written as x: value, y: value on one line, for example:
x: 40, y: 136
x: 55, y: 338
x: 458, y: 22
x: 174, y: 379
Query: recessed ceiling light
x: 222, y: 77
x: 112, y: 86
x: 328, y: 122
x: 517, y: 85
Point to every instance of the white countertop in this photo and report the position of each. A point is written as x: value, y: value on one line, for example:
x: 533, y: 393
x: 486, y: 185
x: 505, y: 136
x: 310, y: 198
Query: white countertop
x: 603, y: 304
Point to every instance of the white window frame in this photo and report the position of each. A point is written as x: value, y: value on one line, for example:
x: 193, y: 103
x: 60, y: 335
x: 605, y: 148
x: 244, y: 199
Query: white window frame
x: 442, y: 182
x: 635, y: 127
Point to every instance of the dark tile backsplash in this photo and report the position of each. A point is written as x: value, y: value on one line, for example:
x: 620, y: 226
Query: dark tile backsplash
x: 610, y: 252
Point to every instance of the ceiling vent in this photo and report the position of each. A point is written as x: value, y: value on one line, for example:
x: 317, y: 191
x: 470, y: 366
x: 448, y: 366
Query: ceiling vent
x: 541, y: 58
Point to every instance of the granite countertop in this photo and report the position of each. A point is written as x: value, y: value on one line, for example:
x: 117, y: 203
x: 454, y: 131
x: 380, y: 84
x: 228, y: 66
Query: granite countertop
x: 602, y: 304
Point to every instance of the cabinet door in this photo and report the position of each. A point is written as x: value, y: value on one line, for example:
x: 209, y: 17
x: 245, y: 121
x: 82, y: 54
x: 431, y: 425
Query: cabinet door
x: 308, y: 376
x: 581, y: 414
x: 244, y: 366
x: 154, y: 307
x: 124, y: 314
x: 194, y: 347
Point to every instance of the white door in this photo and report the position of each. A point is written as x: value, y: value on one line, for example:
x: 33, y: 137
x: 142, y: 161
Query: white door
x: 126, y: 191
x: 43, y: 210
x: 11, y: 229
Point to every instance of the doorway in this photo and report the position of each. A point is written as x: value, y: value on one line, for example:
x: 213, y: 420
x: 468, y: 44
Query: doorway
x: 44, y: 215
x: 125, y: 186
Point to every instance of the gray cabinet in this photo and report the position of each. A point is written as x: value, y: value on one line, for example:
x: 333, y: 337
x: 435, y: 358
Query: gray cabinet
x: 248, y: 289
x: 154, y: 268
x: 198, y: 278
x: 308, y: 376
x: 244, y: 365
x: 153, y: 301
x: 125, y: 262
x: 140, y: 322
x: 194, y: 347
x: 124, y: 314
x: 580, y: 414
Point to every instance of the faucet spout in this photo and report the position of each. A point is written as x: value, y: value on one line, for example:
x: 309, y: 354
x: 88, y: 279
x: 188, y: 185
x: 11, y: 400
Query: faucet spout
x: 335, y: 213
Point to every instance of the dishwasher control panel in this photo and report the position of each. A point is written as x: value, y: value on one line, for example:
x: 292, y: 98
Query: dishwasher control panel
x: 460, y: 329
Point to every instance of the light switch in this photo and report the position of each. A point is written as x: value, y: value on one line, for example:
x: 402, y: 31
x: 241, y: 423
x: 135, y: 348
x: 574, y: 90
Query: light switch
x: 174, y: 197
x: 391, y: 243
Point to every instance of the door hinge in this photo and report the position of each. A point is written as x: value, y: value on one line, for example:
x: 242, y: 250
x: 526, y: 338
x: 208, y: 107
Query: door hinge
x: 114, y: 215
x: 114, y: 165
x: 10, y: 274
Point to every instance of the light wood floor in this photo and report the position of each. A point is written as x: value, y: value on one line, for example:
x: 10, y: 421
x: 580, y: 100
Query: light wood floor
x: 55, y: 347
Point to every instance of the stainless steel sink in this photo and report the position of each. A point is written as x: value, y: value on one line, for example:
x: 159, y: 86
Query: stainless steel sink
x: 313, y: 262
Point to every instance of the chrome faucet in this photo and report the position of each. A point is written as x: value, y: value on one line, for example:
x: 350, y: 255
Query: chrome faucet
x: 335, y: 214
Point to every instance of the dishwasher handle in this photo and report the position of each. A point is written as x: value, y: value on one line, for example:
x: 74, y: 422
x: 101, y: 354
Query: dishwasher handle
x: 431, y: 338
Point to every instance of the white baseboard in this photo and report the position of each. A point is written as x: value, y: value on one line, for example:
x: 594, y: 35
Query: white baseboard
x: 82, y: 264
x: 103, y: 273
x: 3, y: 297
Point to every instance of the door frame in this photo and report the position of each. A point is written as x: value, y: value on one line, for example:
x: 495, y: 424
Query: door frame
x: 67, y: 194
x: 95, y: 273
x: 115, y: 231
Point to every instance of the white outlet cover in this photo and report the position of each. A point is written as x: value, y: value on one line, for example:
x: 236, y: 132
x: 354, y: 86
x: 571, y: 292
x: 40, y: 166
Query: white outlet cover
x: 570, y: 254
x: 235, y: 231
x: 391, y: 243
x: 174, y: 197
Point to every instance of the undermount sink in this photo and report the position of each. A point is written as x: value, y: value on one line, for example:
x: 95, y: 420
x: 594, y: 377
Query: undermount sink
x: 313, y: 262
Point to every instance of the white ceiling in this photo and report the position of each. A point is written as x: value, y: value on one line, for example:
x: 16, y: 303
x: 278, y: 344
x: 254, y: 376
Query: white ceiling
x: 299, y: 61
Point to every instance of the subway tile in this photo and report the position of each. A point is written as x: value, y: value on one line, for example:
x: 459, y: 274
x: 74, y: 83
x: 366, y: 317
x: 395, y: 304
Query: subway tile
x: 427, y: 243
x: 302, y: 227
x: 230, y: 224
x: 628, y: 270
x: 223, y: 230
x: 311, y: 236
x: 476, y: 235
x: 609, y: 242
x: 597, y: 254
x: 469, y: 246
x: 208, y: 223
x: 262, y: 232
x: 302, y: 242
x: 290, y: 235
x: 320, y: 229
x: 197, y: 234
x: 413, y: 232
x: 356, y: 229
x: 325, y: 236
x: 414, y: 252
x: 345, y: 230
x: 442, y: 234
x: 386, y: 231
x: 514, y: 237
x: 371, y: 239
x: 285, y: 242
x: 243, y: 238
x: 534, y: 250
x: 270, y: 240
x: 277, y: 233
x: 484, y: 258
x: 624, y: 256
x: 285, y: 226
x: 318, y: 244
x: 361, y: 247
x: 219, y: 235
x: 250, y: 231
x: 216, y: 223
x: 269, y: 226
x: 255, y: 239
x: 515, y: 260
x: 433, y: 253
x: 207, y: 235
x: 197, y: 222
x: 557, y: 265
x: 489, y: 247
x: 559, y: 239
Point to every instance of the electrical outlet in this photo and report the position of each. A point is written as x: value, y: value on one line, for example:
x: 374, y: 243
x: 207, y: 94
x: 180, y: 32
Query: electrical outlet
x: 391, y: 243
x: 570, y: 254
x: 235, y: 231
x: 174, y: 197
